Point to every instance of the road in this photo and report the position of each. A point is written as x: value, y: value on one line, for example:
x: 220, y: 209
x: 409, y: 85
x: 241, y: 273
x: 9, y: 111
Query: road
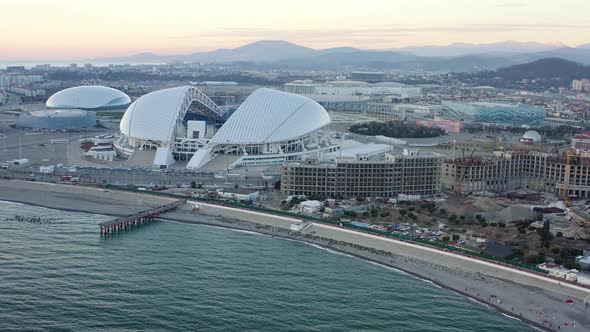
x: 140, y: 177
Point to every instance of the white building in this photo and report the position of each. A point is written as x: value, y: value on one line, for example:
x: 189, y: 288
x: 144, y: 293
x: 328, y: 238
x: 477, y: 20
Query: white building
x: 18, y: 79
x: 26, y: 91
x: 269, y: 127
x: 352, y: 88
x: 46, y: 169
x: 240, y: 194
x: 89, y: 97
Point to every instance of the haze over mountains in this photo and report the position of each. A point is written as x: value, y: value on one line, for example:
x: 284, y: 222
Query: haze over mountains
x: 455, y: 57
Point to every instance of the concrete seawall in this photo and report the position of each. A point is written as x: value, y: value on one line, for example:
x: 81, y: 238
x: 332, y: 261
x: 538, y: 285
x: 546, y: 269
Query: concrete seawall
x: 407, y: 249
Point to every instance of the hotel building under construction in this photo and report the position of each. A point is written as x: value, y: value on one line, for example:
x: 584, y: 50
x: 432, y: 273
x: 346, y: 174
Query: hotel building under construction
x: 406, y: 174
x: 562, y: 175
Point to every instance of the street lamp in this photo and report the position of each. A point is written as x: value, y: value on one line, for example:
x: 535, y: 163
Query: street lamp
x: 227, y: 157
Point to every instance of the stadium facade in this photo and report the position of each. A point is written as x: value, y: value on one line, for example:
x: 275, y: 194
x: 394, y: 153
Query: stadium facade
x: 89, y: 97
x: 269, y: 127
x: 57, y: 119
x: 499, y: 113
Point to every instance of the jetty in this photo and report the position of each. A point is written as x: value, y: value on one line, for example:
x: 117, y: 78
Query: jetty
x: 138, y: 219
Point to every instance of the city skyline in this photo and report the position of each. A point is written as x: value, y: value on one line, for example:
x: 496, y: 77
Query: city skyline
x: 76, y: 30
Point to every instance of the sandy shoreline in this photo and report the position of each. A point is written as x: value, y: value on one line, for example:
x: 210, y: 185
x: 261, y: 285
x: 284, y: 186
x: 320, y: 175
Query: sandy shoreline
x: 528, y: 303
x: 479, y: 289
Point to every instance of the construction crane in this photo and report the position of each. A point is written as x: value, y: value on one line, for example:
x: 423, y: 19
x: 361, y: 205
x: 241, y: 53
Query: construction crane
x: 566, y: 179
x: 466, y: 165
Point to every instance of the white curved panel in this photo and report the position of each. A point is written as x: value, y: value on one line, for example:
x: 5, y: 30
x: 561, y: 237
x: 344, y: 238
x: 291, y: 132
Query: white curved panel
x: 154, y: 116
x: 271, y: 116
x: 88, y: 97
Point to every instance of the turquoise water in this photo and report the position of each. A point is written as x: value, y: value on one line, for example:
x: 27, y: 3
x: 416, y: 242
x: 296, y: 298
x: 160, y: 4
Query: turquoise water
x: 179, y: 277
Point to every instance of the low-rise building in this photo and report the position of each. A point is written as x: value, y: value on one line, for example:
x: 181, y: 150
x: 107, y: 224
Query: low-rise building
x: 239, y: 194
x: 581, y: 142
x: 448, y: 126
x: 568, y: 122
x: 559, y: 271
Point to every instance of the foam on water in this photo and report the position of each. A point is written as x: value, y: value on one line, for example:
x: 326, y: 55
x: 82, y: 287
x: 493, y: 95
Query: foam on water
x: 511, y: 317
x: 10, y: 203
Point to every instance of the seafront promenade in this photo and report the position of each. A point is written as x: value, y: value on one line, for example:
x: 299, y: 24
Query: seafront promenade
x: 405, y: 248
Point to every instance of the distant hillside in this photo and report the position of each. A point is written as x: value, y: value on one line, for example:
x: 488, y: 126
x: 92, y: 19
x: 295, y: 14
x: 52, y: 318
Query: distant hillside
x: 279, y: 54
x: 548, y: 68
x: 538, y: 75
x: 463, y: 49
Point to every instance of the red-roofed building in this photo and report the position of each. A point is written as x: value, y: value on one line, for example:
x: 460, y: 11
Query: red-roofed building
x: 581, y: 142
x: 447, y: 125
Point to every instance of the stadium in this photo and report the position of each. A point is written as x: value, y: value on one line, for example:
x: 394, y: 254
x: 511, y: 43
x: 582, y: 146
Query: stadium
x: 57, y: 119
x: 498, y: 113
x: 269, y: 127
x: 90, y: 98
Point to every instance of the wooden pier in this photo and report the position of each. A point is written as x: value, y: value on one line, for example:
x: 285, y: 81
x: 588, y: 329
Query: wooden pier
x: 141, y: 218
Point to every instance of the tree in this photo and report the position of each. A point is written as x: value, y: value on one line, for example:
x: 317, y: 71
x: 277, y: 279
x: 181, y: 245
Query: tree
x: 374, y: 213
x: 462, y: 218
x: 403, y: 213
x: 193, y: 184
x: 531, y: 259
x: 545, y: 234
x: 456, y: 237
x: 277, y: 185
x: 452, y: 217
x: 478, y: 216
x: 442, y: 211
x: 395, y: 129
x: 559, y: 234
x: 350, y: 214
x: 446, y: 238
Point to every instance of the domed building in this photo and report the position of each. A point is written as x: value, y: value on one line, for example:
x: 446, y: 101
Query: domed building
x: 531, y: 137
x: 57, y: 119
x: 269, y: 127
x: 89, y: 97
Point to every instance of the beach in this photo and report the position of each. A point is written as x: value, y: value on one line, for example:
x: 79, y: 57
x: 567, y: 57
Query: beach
x: 524, y: 300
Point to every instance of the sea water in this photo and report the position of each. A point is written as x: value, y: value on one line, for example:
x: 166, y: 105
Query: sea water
x: 167, y: 276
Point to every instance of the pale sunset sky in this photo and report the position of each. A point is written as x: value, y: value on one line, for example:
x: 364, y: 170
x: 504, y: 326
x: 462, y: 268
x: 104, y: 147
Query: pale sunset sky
x: 79, y: 29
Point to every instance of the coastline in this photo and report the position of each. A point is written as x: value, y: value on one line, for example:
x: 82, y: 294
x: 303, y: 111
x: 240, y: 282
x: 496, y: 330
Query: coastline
x: 374, y: 258
x: 508, y: 298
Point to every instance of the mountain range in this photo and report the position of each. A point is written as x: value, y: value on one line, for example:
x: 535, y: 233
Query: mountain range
x: 455, y: 57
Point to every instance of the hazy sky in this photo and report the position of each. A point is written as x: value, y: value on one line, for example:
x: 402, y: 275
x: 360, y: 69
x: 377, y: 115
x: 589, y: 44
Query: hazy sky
x: 77, y: 29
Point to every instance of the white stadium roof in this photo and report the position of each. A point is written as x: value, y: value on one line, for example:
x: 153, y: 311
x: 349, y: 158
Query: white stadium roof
x: 154, y: 116
x: 90, y: 97
x: 269, y: 115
